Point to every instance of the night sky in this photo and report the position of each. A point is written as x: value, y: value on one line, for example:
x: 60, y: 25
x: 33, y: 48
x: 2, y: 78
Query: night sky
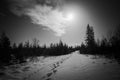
x: 52, y: 20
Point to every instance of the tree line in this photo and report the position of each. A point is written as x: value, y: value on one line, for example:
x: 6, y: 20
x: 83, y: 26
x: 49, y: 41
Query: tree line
x: 12, y: 53
x: 108, y: 47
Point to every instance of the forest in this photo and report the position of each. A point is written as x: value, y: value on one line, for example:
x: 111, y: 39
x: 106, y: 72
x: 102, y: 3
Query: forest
x: 13, y: 53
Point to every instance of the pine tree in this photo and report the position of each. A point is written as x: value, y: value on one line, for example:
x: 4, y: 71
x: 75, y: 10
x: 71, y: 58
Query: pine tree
x: 4, y: 40
x: 90, y: 40
x: 5, y: 53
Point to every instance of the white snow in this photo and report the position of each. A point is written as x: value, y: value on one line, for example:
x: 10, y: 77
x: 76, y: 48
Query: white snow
x: 74, y: 66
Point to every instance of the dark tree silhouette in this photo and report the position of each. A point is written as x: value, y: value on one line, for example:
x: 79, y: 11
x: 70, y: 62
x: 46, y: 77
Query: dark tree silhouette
x: 4, y: 41
x: 115, y: 44
x: 35, y: 42
x: 90, y: 40
x: 115, y: 39
x: 5, y: 53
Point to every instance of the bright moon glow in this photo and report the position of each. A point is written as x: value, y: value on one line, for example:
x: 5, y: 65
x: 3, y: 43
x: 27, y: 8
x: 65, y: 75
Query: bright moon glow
x: 69, y: 16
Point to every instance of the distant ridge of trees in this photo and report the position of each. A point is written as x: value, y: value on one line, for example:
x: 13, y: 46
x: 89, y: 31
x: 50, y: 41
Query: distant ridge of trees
x: 19, y: 53
x: 10, y: 54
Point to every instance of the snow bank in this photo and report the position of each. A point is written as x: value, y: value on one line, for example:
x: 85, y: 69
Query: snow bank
x: 81, y: 67
x: 74, y: 66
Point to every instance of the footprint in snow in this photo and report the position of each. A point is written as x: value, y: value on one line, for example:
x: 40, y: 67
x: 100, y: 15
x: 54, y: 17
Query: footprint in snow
x: 49, y: 74
x: 48, y: 79
x: 54, y: 71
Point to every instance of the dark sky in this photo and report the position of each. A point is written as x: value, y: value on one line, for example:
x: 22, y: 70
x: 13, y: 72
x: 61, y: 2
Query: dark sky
x: 21, y: 21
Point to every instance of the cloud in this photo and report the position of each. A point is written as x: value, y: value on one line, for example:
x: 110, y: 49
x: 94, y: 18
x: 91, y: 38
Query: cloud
x: 42, y: 12
x: 52, y: 19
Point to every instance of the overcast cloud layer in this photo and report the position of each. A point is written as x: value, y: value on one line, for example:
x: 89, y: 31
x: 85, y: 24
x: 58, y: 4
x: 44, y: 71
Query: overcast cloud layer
x: 42, y: 12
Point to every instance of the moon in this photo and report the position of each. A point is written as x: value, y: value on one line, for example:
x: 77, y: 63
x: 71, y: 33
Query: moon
x: 69, y: 16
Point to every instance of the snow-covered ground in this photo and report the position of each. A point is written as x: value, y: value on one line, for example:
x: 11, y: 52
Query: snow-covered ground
x: 74, y: 66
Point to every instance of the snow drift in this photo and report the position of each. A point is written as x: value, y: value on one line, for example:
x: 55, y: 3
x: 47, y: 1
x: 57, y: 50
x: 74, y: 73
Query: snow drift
x: 74, y: 66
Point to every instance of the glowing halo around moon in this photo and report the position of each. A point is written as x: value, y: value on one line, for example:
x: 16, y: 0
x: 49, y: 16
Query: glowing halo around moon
x: 69, y: 16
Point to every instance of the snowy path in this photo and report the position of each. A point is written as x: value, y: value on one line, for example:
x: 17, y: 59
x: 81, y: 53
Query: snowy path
x: 81, y: 67
x: 74, y: 66
x: 42, y: 69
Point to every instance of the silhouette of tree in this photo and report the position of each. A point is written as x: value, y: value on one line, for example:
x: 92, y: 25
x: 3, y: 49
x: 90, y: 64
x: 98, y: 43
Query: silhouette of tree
x: 82, y: 48
x: 4, y: 41
x: 27, y: 44
x: 20, y: 46
x: 90, y: 40
x: 5, y: 53
x: 35, y: 43
x: 14, y: 46
x: 115, y: 44
x: 115, y: 39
